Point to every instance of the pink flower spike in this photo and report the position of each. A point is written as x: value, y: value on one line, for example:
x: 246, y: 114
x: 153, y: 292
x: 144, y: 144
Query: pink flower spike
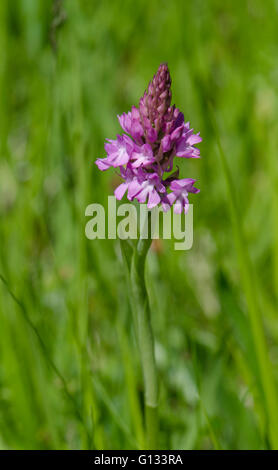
x: 154, y: 133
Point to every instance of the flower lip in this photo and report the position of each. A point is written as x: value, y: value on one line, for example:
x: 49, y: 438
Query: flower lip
x: 142, y: 156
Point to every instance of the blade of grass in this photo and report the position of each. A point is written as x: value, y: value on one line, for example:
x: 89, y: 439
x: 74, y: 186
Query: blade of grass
x: 134, y: 404
x: 213, y: 437
x: 249, y: 286
x: 101, y: 392
x: 46, y: 353
x: 273, y: 176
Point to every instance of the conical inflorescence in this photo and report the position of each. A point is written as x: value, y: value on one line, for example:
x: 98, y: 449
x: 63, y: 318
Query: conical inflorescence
x: 155, y: 133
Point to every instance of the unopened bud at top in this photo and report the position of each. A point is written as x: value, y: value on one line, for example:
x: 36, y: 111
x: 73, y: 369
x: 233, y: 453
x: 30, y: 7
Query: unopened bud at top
x: 157, y: 99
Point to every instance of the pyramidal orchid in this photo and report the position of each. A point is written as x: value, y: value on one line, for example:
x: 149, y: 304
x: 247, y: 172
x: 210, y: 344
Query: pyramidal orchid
x: 155, y: 133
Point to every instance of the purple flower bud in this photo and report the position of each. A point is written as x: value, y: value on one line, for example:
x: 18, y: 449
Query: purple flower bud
x: 157, y: 99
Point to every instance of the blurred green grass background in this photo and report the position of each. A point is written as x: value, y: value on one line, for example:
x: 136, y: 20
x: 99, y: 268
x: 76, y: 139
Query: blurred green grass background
x: 69, y: 368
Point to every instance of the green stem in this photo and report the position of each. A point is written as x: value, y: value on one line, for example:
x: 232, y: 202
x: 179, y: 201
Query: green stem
x: 134, y: 257
x: 140, y: 305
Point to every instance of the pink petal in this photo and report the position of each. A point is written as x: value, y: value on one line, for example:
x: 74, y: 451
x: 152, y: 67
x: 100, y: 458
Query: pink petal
x: 178, y: 207
x: 152, y: 134
x: 133, y: 188
x: 186, y: 207
x: 142, y: 195
x: 165, y: 206
x: 102, y: 164
x: 194, y: 139
x: 120, y: 159
x: 171, y: 197
x: 154, y: 199
x: 166, y: 143
x: 120, y: 191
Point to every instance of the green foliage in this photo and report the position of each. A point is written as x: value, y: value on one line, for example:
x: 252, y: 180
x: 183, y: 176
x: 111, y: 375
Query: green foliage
x: 69, y: 368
